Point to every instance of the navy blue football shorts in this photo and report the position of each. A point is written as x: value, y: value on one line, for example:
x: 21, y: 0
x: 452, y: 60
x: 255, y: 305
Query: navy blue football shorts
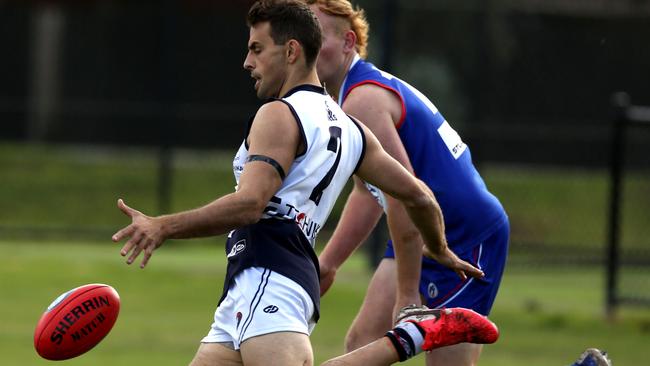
x: 441, y: 287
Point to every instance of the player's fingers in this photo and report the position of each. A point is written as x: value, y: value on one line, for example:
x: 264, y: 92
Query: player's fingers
x: 122, y: 206
x: 131, y: 244
x: 126, y: 209
x: 461, y: 274
x: 473, y: 271
x: 426, y: 252
x: 148, y: 252
x: 126, y: 248
x: 125, y: 232
x: 134, y: 254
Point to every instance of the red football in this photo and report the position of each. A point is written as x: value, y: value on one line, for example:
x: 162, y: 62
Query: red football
x: 76, y: 321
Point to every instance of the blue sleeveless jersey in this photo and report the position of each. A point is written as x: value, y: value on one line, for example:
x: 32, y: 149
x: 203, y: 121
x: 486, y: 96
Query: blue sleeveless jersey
x: 439, y: 158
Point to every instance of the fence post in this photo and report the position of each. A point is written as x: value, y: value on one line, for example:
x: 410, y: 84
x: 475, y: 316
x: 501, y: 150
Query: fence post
x: 48, y: 41
x: 620, y: 103
x: 168, y: 78
x: 390, y: 14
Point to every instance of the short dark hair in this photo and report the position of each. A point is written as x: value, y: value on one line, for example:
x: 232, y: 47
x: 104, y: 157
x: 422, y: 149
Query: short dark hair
x: 289, y: 19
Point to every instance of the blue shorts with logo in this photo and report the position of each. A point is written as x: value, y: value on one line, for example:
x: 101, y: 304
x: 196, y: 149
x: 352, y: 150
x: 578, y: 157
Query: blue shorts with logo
x: 441, y: 287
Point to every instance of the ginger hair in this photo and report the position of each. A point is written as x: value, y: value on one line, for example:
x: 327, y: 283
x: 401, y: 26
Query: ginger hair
x: 356, y: 18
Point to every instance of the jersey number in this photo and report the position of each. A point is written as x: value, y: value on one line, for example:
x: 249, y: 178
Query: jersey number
x: 334, y: 143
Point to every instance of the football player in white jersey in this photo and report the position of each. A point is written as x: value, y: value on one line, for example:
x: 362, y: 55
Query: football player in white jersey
x: 299, y: 151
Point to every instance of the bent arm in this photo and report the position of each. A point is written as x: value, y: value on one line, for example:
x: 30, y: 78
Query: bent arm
x: 360, y: 215
x: 226, y: 213
x: 274, y: 134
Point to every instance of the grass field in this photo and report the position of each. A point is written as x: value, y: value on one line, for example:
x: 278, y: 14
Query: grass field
x: 547, y: 317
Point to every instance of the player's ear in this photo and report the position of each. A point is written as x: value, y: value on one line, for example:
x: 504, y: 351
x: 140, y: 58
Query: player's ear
x: 349, y: 41
x: 292, y: 51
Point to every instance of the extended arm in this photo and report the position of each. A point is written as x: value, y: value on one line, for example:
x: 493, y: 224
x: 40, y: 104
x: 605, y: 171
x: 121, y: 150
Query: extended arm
x: 275, y: 134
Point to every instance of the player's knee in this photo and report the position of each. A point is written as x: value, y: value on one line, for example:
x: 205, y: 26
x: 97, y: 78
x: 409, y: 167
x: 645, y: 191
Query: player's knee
x: 334, y: 362
x: 349, y: 345
x: 354, y: 340
x: 363, y: 332
x: 331, y: 363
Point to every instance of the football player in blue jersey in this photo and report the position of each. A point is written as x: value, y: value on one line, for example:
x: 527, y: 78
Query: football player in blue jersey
x: 413, y: 131
x: 298, y: 153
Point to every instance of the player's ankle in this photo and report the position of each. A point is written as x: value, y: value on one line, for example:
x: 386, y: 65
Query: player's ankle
x: 407, y: 338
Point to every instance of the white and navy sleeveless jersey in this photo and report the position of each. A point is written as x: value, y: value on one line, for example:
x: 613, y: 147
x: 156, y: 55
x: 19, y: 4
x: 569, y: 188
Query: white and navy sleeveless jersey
x: 283, y: 240
x: 335, y: 146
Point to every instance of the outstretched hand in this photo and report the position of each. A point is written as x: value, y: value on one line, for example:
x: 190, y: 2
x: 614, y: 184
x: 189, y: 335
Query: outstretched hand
x: 450, y: 260
x: 144, y: 234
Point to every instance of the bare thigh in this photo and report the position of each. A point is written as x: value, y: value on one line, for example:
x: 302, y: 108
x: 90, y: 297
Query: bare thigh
x: 280, y: 348
x: 463, y: 354
x: 211, y: 354
x: 375, y: 316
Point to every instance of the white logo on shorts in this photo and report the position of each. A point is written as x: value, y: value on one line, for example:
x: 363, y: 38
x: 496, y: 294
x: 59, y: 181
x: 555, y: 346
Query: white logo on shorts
x: 237, y: 248
x: 432, y: 290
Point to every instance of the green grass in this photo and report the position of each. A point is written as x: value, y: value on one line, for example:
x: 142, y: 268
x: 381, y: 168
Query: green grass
x: 547, y: 317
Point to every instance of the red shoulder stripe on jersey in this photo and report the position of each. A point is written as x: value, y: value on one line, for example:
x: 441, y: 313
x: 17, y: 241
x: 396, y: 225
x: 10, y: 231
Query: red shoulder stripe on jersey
x: 403, y: 117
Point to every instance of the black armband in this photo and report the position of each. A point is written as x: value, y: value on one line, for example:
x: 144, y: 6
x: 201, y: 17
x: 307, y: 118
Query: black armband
x: 269, y: 161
